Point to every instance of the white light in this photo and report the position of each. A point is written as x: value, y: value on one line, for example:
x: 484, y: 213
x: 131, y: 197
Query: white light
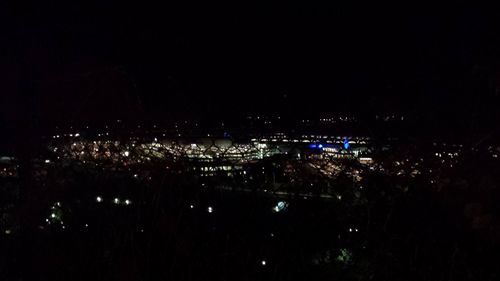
x: 156, y: 140
x: 116, y: 200
x: 77, y: 135
x: 350, y: 229
x: 263, y: 262
x: 136, y: 175
x: 98, y: 199
x: 127, y: 202
x: 126, y: 153
x: 191, y: 206
x: 86, y: 225
x: 47, y: 161
x: 52, y: 215
x: 210, y: 209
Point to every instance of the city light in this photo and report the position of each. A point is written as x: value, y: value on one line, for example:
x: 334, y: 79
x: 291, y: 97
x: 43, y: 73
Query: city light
x: 98, y: 199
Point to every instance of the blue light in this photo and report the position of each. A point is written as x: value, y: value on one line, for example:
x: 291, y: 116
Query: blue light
x: 312, y: 145
x: 320, y: 145
x: 346, y: 143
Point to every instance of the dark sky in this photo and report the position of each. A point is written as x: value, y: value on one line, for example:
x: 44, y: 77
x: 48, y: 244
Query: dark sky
x: 108, y: 59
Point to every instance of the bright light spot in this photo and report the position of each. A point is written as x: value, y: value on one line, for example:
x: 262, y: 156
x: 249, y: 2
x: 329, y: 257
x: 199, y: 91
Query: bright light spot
x: 350, y: 229
x: 52, y: 215
x: 280, y: 206
x: 210, y: 209
x: 263, y: 262
x: 7, y: 231
x: 127, y: 202
x: 339, y: 197
x: 356, y: 229
x: 346, y: 143
x: 77, y: 135
x: 116, y: 201
x: 47, y: 160
x: 191, y: 206
x: 126, y: 153
x: 272, y: 234
x: 136, y: 175
x: 98, y: 199
x: 156, y: 140
x: 86, y: 225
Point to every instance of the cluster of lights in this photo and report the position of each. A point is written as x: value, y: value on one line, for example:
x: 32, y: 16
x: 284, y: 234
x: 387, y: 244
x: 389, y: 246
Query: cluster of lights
x: 116, y: 201
x: 56, y: 215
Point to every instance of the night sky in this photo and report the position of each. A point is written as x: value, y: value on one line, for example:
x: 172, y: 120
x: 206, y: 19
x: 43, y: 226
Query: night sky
x: 106, y: 60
